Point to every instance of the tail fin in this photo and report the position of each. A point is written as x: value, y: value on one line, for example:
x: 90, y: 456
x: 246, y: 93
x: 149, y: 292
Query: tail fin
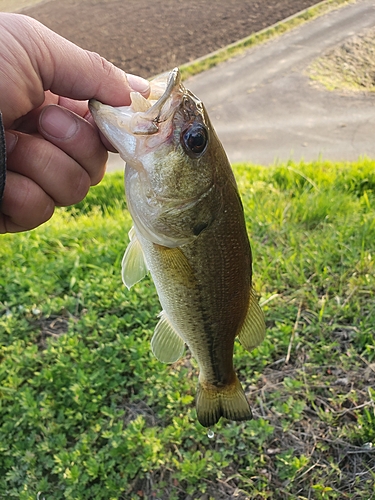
x: 229, y: 402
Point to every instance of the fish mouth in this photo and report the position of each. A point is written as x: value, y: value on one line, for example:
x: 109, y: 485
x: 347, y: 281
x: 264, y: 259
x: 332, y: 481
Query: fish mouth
x: 143, y: 116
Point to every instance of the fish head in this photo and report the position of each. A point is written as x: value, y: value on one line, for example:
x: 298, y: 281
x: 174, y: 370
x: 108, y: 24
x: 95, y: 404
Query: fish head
x: 172, y: 155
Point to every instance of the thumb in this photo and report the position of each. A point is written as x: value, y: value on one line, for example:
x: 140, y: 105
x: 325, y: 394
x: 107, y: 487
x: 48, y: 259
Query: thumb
x: 76, y: 137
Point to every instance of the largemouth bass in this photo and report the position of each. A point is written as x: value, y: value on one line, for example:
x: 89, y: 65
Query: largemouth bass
x: 189, y: 232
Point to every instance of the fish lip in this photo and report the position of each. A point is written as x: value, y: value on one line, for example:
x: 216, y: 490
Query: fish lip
x: 155, y: 113
x: 174, y: 81
x: 94, y: 104
x: 142, y: 123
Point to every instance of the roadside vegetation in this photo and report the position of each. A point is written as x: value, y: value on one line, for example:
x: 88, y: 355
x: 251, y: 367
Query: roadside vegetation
x: 209, y: 61
x: 349, y: 66
x: 87, y: 412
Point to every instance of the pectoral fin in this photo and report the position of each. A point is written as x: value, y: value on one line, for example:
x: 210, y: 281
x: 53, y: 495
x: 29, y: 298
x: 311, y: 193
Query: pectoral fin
x: 134, y: 267
x: 253, y: 329
x: 179, y: 268
x: 166, y: 344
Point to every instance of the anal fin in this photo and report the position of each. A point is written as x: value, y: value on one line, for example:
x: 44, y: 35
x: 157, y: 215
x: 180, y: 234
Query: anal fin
x: 253, y: 329
x: 134, y: 267
x: 166, y: 344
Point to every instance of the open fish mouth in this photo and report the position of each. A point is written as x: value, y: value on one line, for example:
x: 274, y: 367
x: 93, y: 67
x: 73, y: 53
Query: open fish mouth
x: 143, y: 116
x: 158, y: 137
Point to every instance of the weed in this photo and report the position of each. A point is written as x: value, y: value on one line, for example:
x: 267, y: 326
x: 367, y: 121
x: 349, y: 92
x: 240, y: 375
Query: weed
x: 87, y: 412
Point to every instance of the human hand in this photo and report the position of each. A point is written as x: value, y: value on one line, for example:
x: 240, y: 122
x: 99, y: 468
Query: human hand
x: 54, y: 150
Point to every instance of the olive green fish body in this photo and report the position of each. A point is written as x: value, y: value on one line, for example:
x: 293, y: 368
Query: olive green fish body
x: 207, y: 291
x: 189, y: 232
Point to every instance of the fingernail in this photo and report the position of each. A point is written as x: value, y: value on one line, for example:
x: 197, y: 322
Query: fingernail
x: 11, y: 141
x: 138, y: 83
x: 57, y: 122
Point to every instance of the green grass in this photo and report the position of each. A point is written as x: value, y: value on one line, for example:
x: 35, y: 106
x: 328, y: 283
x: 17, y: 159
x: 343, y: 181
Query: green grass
x: 86, y: 411
x: 234, y: 49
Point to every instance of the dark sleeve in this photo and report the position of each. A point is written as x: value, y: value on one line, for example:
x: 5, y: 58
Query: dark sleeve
x: 3, y: 158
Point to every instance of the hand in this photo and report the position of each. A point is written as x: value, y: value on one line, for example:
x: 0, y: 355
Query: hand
x: 54, y: 150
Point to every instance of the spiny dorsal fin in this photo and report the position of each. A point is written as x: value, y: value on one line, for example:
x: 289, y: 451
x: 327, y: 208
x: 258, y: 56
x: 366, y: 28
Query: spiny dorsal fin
x: 134, y: 267
x: 253, y: 329
x: 166, y: 344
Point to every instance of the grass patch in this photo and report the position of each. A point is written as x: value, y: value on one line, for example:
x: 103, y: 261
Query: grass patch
x: 221, y: 55
x: 350, y: 66
x: 87, y: 412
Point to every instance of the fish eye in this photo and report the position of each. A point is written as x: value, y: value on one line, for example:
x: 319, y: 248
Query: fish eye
x: 195, y: 140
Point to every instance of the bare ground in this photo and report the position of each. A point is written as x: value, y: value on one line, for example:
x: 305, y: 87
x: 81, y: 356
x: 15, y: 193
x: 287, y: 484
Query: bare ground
x: 147, y: 38
x: 16, y: 5
x: 350, y: 66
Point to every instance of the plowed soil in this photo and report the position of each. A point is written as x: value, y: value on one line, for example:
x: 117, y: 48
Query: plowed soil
x: 148, y: 37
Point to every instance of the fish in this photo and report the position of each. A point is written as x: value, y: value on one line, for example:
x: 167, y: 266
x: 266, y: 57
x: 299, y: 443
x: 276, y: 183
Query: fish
x: 189, y: 233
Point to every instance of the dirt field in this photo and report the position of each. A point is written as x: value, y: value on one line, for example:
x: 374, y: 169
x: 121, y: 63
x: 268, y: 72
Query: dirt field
x: 16, y: 5
x: 147, y: 37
